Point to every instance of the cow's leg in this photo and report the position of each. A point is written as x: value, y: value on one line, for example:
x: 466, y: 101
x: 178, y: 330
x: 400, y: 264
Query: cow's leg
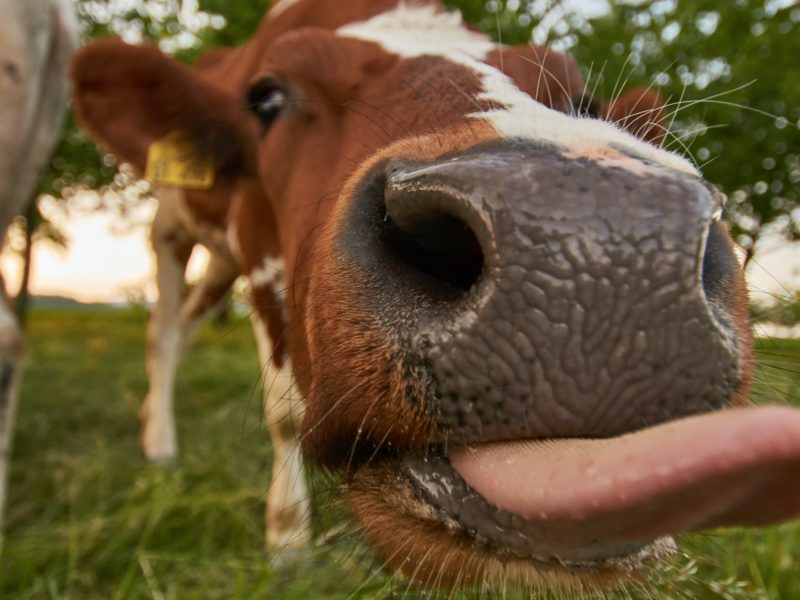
x: 288, y: 511
x: 11, y: 349
x: 172, y: 245
x: 172, y: 329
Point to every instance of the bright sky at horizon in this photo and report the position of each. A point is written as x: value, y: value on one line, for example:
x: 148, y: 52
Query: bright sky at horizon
x: 107, y: 259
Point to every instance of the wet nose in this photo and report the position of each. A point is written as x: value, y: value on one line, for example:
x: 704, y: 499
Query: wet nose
x: 552, y: 296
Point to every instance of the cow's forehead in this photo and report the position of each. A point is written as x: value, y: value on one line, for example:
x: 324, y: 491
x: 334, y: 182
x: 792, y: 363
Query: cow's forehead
x: 412, y: 31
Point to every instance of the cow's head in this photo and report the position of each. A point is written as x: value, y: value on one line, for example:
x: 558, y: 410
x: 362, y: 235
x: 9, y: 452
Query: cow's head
x: 514, y: 327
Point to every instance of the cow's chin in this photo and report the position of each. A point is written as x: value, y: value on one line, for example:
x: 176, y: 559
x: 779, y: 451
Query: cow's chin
x: 574, y: 514
x: 434, y: 548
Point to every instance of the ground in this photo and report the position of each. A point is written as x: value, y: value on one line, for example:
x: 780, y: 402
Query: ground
x: 89, y: 519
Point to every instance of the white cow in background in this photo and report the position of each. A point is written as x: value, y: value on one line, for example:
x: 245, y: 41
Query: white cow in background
x: 37, y: 39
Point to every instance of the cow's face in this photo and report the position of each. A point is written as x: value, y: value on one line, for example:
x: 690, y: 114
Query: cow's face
x: 505, y: 319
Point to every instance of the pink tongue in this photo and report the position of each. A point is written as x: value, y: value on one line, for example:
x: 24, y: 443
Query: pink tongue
x: 737, y: 467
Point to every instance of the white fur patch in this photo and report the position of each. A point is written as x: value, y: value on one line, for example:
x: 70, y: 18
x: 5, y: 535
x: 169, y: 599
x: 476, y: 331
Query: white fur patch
x: 271, y: 273
x: 411, y: 31
x: 288, y: 512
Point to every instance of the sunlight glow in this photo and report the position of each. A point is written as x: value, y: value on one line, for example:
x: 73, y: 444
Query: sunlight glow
x: 108, y: 260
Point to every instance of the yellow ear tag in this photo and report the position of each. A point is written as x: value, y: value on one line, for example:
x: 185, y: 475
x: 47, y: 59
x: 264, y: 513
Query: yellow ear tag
x: 172, y: 161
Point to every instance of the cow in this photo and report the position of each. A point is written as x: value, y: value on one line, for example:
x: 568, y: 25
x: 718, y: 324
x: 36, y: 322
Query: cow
x: 192, y: 212
x: 188, y: 215
x: 37, y: 39
x: 518, y: 332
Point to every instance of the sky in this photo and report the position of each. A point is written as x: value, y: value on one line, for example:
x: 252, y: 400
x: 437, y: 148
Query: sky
x: 107, y: 258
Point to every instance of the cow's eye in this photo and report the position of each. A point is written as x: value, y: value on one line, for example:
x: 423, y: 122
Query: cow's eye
x: 267, y: 99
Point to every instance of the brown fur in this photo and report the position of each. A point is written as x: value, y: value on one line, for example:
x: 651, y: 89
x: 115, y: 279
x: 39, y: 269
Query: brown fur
x: 549, y: 77
x: 112, y: 77
x: 640, y: 111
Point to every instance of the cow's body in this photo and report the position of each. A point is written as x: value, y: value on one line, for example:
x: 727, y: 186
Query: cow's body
x: 189, y: 217
x: 485, y: 294
x: 37, y: 38
x: 184, y: 219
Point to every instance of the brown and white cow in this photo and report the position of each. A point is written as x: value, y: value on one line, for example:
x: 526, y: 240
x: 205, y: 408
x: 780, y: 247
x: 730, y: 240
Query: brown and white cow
x: 37, y: 39
x: 187, y: 216
x: 520, y: 335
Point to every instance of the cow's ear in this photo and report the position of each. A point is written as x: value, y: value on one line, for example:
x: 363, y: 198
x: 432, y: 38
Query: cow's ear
x: 129, y: 97
x: 641, y: 111
x: 549, y: 77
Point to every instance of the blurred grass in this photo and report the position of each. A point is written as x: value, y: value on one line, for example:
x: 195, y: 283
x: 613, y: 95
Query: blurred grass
x: 88, y: 518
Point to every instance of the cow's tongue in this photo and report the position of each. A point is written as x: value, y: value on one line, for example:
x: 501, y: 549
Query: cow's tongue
x: 737, y: 467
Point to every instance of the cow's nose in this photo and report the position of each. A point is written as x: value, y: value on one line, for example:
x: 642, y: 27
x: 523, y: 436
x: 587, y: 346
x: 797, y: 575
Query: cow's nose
x: 554, y: 296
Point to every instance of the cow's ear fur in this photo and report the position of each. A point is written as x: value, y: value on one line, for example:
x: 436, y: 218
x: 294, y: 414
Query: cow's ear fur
x: 640, y: 111
x: 549, y: 77
x: 128, y: 97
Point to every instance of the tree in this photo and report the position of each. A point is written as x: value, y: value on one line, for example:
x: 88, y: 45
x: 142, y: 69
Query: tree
x: 724, y: 67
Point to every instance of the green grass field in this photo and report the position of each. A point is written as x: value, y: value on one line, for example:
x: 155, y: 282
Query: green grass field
x: 88, y: 518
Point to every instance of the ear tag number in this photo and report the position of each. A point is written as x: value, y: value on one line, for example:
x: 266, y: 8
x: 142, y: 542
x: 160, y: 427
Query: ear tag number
x: 172, y: 161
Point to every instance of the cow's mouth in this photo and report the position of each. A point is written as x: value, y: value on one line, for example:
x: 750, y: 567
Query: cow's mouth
x: 594, y: 508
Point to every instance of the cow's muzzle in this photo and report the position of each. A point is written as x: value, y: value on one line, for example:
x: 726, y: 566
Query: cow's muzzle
x: 571, y: 327
x: 554, y: 296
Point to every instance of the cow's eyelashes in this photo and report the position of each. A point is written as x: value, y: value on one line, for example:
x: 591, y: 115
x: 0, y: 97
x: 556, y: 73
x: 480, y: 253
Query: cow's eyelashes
x: 268, y: 99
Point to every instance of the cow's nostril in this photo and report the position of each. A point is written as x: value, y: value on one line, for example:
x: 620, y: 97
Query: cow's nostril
x: 720, y: 267
x: 441, y: 246
x: 436, y: 228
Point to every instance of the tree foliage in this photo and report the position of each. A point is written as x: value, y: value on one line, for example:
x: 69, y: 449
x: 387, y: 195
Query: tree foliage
x: 727, y: 70
x: 241, y: 20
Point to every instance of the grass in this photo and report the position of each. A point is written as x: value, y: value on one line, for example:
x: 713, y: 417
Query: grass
x: 88, y: 518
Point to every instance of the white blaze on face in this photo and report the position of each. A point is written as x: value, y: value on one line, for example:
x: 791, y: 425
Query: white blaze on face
x: 412, y: 31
